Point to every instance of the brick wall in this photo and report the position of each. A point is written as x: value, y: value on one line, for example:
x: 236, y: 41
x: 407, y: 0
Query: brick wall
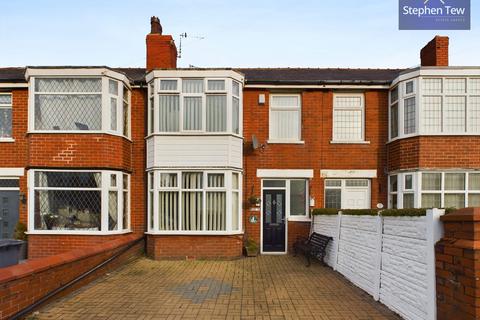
x: 435, y: 53
x: 317, y: 152
x: 297, y: 229
x: 434, y: 152
x: 194, y: 247
x: 44, y: 245
x: 457, y: 257
x: 23, y: 284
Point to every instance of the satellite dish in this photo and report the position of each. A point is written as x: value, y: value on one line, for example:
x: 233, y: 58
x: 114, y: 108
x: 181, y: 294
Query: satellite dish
x: 254, y: 142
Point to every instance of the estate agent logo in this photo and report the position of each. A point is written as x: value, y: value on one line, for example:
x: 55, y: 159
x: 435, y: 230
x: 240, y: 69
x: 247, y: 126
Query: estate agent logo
x: 434, y: 14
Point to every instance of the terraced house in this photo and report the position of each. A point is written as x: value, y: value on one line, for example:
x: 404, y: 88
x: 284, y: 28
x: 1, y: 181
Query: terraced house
x: 201, y: 159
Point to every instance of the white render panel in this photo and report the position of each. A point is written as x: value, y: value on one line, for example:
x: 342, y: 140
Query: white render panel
x: 404, y: 245
x: 183, y: 151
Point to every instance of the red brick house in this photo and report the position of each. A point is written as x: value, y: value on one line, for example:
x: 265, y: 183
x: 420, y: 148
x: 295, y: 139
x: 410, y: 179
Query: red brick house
x: 200, y: 159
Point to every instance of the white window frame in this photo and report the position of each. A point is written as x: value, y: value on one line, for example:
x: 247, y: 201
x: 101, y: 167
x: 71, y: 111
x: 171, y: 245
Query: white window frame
x: 419, y: 94
x: 362, y: 108
x: 228, y: 92
x: 205, y: 189
x: 344, y: 188
x: 271, y: 125
x: 104, y: 189
x: 8, y: 106
x: 105, y: 103
x: 418, y: 190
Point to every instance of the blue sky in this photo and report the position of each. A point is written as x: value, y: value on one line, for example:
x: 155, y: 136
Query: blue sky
x: 242, y: 33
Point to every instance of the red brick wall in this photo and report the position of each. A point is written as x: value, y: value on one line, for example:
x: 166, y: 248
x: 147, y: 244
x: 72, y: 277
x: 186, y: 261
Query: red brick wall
x: 457, y: 257
x: 434, y: 152
x: 297, y: 229
x: 161, y: 52
x: 435, y: 53
x: 26, y: 283
x: 44, y: 245
x: 317, y: 152
x: 194, y: 247
x: 79, y: 151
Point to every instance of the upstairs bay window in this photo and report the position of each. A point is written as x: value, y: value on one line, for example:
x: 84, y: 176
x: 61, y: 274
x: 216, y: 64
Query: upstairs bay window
x: 348, y: 118
x: 79, y: 202
x: 195, y: 202
x: 435, y: 106
x: 194, y: 106
x: 79, y: 104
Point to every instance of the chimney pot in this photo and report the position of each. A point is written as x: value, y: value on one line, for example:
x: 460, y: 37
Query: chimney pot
x: 155, y: 26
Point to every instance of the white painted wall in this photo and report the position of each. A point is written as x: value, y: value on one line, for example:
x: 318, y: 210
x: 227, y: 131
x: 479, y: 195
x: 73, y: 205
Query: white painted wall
x: 194, y: 151
x: 391, y: 258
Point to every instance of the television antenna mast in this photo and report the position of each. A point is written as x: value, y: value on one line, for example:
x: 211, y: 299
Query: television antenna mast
x: 184, y: 35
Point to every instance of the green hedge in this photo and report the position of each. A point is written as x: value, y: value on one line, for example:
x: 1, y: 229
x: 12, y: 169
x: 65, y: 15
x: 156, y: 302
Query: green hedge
x: 375, y: 212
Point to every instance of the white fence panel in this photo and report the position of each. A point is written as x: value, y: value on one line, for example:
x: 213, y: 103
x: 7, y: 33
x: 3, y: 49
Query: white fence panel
x: 391, y: 258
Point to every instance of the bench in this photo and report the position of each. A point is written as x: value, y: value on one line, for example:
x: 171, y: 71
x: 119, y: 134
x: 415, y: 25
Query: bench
x: 314, y: 246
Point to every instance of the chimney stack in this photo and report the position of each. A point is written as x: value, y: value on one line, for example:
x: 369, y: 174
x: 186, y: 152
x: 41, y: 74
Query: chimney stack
x: 435, y: 53
x: 161, y: 49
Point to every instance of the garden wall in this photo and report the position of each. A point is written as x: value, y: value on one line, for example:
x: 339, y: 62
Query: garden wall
x: 392, y: 258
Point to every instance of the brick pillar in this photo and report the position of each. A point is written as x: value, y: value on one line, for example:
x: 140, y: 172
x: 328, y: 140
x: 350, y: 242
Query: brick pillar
x: 457, y: 257
x: 435, y: 53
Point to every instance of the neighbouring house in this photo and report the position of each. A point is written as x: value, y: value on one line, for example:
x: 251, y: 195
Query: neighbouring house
x: 201, y: 158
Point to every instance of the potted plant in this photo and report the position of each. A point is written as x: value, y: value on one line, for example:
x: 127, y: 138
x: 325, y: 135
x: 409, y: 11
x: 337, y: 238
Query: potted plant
x: 20, y: 234
x: 254, y: 201
x: 251, y: 248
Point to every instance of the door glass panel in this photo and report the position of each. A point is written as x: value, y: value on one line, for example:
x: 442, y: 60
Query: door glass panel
x: 268, y: 208
x: 274, y: 183
x: 279, y: 208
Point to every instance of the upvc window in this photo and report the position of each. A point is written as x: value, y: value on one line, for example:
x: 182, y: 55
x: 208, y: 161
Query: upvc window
x: 409, y: 115
x: 73, y: 104
x: 5, y: 115
x: 450, y: 106
x: 339, y: 192
x: 436, y: 189
x: 79, y: 201
x: 348, y: 118
x: 194, y: 202
x: 296, y: 193
x: 285, y: 118
x: 195, y: 105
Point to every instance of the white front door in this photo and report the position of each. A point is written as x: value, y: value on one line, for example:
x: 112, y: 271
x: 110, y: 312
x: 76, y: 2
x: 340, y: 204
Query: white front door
x: 356, y: 198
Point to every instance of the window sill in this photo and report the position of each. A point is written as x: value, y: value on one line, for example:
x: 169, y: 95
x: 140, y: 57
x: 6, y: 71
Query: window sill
x: 285, y: 142
x: 194, y: 233
x: 299, y: 219
x: 193, y: 134
x: 349, y: 142
x: 7, y: 140
x: 79, y: 132
x: 77, y: 232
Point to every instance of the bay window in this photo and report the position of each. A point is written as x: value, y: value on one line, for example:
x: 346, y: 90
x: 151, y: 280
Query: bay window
x: 5, y: 115
x: 435, y: 105
x: 195, y: 202
x: 348, y: 118
x: 435, y: 189
x: 72, y: 101
x: 79, y: 201
x: 194, y: 105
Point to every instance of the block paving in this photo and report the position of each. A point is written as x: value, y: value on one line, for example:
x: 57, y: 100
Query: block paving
x: 265, y: 287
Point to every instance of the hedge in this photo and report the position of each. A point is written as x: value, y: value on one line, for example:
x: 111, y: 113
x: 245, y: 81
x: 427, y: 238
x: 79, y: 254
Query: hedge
x: 375, y: 212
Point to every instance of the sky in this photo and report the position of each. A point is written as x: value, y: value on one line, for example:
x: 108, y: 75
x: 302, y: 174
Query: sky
x: 222, y: 33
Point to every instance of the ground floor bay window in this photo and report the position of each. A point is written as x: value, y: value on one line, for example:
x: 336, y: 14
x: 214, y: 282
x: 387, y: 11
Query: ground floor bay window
x: 434, y: 189
x: 72, y: 202
x: 194, y: 202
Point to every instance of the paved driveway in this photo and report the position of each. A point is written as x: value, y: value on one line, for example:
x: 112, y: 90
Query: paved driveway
x: 266, y: 287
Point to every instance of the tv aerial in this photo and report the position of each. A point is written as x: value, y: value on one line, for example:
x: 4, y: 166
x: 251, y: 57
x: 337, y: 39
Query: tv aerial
x: 184, y: 35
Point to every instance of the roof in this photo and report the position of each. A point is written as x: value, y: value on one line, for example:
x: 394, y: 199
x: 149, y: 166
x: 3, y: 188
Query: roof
x: 319, y: 76
x: 300, y: 76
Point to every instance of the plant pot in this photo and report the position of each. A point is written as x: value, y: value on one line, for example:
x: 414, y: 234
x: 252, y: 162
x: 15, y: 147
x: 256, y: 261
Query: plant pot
x: 23, y: 252
x: 251, y: 252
